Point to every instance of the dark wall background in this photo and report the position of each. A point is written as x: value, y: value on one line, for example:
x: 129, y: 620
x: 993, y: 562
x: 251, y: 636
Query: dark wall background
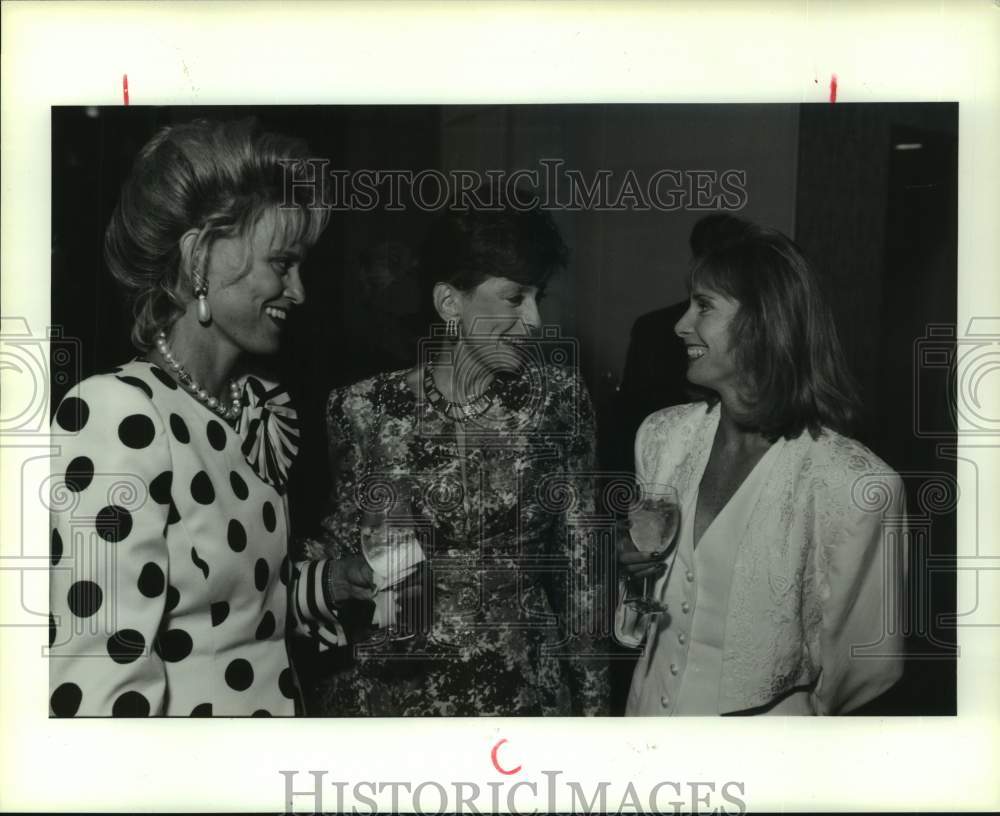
x: 879, y: 223
x: 877, y: 213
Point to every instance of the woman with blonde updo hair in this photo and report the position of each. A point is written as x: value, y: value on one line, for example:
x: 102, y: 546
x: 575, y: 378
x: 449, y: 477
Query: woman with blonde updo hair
x: 171, y: 598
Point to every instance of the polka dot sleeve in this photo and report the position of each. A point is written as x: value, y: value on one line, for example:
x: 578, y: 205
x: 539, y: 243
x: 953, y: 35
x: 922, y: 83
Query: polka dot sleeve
x: 111, y: 502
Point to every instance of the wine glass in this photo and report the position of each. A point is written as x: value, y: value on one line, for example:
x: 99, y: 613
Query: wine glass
x: 390, y: 545
x: 653, y: 525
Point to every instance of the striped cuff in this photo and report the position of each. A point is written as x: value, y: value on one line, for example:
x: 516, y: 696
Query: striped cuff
x: 316, y: 617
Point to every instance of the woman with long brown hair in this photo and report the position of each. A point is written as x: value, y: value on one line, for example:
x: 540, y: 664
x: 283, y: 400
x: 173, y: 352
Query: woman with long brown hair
x: 779, y: 591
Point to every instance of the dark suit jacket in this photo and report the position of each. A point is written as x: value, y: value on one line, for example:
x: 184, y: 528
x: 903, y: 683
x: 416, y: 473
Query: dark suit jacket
x: 655, y: 376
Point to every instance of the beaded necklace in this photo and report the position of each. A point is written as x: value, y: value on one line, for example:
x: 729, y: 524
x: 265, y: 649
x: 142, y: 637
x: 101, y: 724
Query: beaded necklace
x: 229, y: 413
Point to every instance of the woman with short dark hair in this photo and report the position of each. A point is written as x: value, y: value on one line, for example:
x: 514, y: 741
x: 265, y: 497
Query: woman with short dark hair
x: 170, y: 578
x: 779, y: 597
x: 487, y: 445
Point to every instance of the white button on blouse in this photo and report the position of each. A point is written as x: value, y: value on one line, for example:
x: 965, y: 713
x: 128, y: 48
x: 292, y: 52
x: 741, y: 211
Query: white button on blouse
x: 703, y: 594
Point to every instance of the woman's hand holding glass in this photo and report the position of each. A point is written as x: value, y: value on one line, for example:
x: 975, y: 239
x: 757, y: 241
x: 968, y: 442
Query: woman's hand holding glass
x: 390, y: 548
x: 650, y: 540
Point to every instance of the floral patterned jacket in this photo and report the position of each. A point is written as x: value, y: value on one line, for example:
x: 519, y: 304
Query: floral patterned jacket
x: 517, y: 620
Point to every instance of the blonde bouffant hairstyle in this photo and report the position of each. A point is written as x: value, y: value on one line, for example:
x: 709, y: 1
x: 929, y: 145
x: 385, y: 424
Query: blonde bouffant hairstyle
x: 219, y: 178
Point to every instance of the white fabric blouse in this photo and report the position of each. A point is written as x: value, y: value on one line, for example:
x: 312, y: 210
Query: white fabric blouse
x: 786, y: 605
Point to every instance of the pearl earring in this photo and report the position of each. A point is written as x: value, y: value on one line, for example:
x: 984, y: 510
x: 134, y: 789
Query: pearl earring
x: 201, y: 292
x: 452, y: 330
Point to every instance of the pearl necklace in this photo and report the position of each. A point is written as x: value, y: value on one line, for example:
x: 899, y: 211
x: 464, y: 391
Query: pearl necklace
x: 457, y: 411
x: 230, y: 413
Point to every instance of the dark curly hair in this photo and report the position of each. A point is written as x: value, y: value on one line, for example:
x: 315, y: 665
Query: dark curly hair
x: 464, y: 247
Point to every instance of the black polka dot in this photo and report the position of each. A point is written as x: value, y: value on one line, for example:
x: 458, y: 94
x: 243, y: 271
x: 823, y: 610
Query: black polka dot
x: 173, y: 645
x: 57, y: 547
x: 199, y: 563
x: 79, y: 474
x: 84, y: 598
x: 239, y: 486
x: 216, y: 435
x: 220, y: 611
x: 159, y: 488
x: 135, y: 382
x: 126, y: 646
x: 114, y: 523
x: 164, y: 378
x: 260, y: 712
x: 179, y: 429
x: 266, y: 626
x: 261, y: 572
x: 72, y: 414
x: 174, y: 515
x: 202, y: 710
x: 237, y: 536
x: 136, y: 431
x: 239, y: 675
x: 130, y: 704
x: 52, y: 630
x: 201, y: 488
x: 286, y: 682
x: 270, y: 520
x: 173, y: 598
x: 151, y: 580
x: 66, y: 700
x: 284, y: 570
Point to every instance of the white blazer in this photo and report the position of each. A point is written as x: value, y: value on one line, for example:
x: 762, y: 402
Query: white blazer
x: 817, y: 582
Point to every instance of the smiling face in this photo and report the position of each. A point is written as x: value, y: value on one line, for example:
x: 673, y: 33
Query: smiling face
x: 704, y: 330
x: 253, y: 284
x: 497, y: 317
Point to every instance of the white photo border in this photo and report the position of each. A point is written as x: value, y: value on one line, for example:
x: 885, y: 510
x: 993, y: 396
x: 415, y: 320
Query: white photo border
x: 405, y: 52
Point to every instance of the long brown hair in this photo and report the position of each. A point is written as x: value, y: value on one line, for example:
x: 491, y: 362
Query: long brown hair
x: 793, y: 372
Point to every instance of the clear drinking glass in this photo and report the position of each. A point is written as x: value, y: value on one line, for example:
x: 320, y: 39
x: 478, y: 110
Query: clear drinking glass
x: 390, y: 546
x: 653, y: 525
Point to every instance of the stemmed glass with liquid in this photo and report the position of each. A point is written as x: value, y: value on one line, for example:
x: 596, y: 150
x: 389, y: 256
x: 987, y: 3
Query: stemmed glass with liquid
x: 391, y: 547
x: 653, y: 525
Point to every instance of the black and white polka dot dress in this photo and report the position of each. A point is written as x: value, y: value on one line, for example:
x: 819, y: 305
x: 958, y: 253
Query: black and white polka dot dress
x: 169, y: 572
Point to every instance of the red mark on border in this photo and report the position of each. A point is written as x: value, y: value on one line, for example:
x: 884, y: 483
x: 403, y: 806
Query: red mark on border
x: 125, y: 87
x: 833, y: 88
x: 496, y: 762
